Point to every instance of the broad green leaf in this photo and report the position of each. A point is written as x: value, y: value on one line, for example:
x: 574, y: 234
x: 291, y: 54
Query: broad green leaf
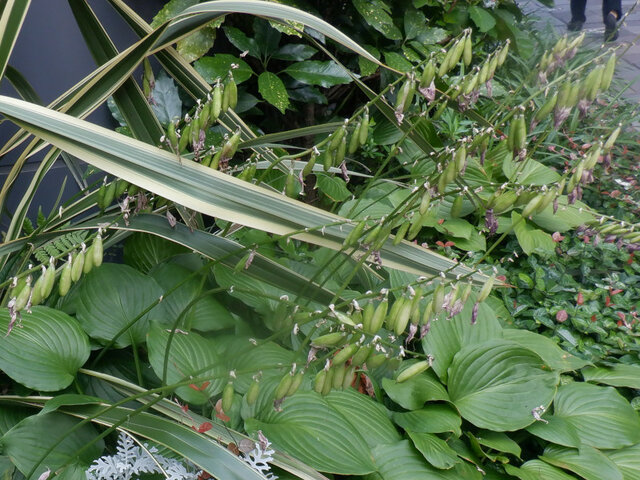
x: 243, y: 43
x: 219, y: 65
x: 414, y: 23
x: 547, y: 350
x: 431, y: 36
x: 273, y: 91
x: 295, y: 52
x: 368, y: 67
x: 367, y: 417
x: 189, y: 355
x: 316, y: 72
x: 482, y: 18
x: 397, y: 61
x: 206, y: 315
x: 447, y: 337
x: 531, y: 239
x: 432, y: 418
x: 209, y: 191
x: 401, y: 461
x: 144, y: 251
x: 498, y: 441
x: 589, y: 463
x: 308, y: 428
x: 537, y: 470
x: 170, y: 10
x: 566, y: 218
x: 601, y: 417
x: 12, y: 15
x: 29, y: 440
x: 497, y: 384
x: 194, y: 46
x: 557, y: 430
x: 10, y: 415
x: 376, y: 14
x: 246, y: 359
x: 111, y: 297
x: 435, y: 450
x: 627, y: 460
x: 619, y: 375
x: 531, y: 173
x: 333, y: 187
x: 166, y: 102
x: 49, y: 342
x: 412, y: 394
x: 267, y: 38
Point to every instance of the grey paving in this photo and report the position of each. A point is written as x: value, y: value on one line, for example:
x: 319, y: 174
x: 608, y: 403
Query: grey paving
x: 628, y: 70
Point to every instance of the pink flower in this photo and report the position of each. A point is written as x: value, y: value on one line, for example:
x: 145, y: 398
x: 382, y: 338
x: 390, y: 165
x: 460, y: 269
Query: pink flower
x: 562, y: 316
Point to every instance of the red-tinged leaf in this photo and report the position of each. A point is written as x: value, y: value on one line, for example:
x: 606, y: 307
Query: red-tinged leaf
x: 449, y: 244
x: 630, y: 259
x: 593, y: 318
x: 607, y: 301
x: 580, y: 299
x: 502, y: 278
x: 222, y: 416
x: 620, y: 323
x: 621, y: 316
x: 557, y: 237
x: 616, y: 291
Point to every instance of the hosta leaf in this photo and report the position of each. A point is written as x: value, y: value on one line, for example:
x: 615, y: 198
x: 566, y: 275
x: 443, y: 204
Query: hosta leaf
x: 246, y: 359
x: 45, y: 352
x: 601, y: 417
x: 537, y: 470
x: 369, y: 418
x: 219, y: 65
x: 447, y: 337
x: 435, y: 450
x: 589, y: 463
x: 432, y: 418
x: 315, y: 72
x: 566, y: 218
x: 531, y: 239
x: 206, y: 315
x: 10, y: 415
x: 190, y: 355
x: 497, y: 384
x: 112, y: 296
x: 413, y: 393
x: 273, y: 90
x: 628, y: 461
x: 546, y: 348
x: 333, y: 187
x: 620, y: 375
x: 498, y: 441
x: 376, y: 14
x: 311, y: 430
x: 557, y: 430
x: 28, y: 441
x: 144, y: 251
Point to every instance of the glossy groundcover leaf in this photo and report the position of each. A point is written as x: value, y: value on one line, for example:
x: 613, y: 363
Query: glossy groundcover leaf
x: 601, y: 417
x: 620, y: 375
x: 311, y: 430
x: 413, y: 393
x: 111, y: 297
x: 315, y: 72
x: 50, y: 342
x: 273, y: 90
x: 28, y: 441
x: 497, y: 384
x: 589, y: 463
x: 189, y: 355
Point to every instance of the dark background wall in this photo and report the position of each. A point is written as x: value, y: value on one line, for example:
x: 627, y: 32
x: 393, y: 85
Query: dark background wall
x: 51, y: 54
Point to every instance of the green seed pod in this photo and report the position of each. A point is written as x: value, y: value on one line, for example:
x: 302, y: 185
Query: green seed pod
x: 290, y: 185
x: 227, y: 397
x: 327, y: 159
x: 375, y: 361
x: 185, y: 138
x: 49, y: 280
x: 548, y: 197
x: 284, y: 386
x: 594, y: 87
x: 531, y: 207
x: 77, y: 265
x: 230, y: 148
x: 363, y: 133
x: 345, y: 354
x: 576, y: 178
x: 65, y: 279
x: 438, y: 113
x: 382, y: 238
x: 348, y: 377
x: 467, y: 54
x: 36, y: 294
x: 424, y: 202
x: 456, y: 206
x: 98, y: 252
x: 608, y: 145
x: 405, y: 95
x: 88, y: 260
x: 328, y: 340
x: 336, y: 137
x: 438, y: 298
x: 402, y: 231
x: 133, y: 190
x: 110, y: 194
x: 341, y: 152
x: 148, y: 80
x: 446, y: 63
x: 416, y: 225
x: 458, y: 50
x: 252, y: 393
x: 361, y: 355
x: 339, y: 371
x: 592, y: 156
x: 379, y: 316
x: 216, y: 101
x: 412, y: 371
x: 460, y: 158
x: 171, y: 135
x: 402, y: 320
x: 609, y: 70
x: 196, y: 126
x: 390, y: 321
x: 295, y: 383
x: 102, y: 192
x: 427, y: 314
x: 354, y: 235
x: 415, y: 302
x: 464, y: 296
x: 486, y: 289
x: 204, y: 115
x: 502, y: 54
x: 450, y: 173
x: 483, y: 74
x: 121, y: 187
x: 503, y: 201
x: 546, y: 108
x: 22, y: 298
x: 428, y: 74
x: 563, y: 94
x: 470, y: 83
x: 354, y: 140
x: 308, y: 168
x: 367, y: 315
x: 574, y: 96
x: 372, y: 234
x: 493, y: 65
x: 328, y: 381
x: 318, y: 383
x: 215, y: 161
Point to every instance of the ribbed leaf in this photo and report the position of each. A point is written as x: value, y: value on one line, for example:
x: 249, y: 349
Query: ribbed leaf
x: 434, y: 449
x: 547, y: 349
x: 628, y: 461
x: 112, y: 296
x: 432, y: 418
x: 620, y: 375
x: 589, y: 463
x: 29, y: 440
x: 601, y: 417
x: 412, y: 394
x: 49, y: 342
x: 189, y: 355
x: 401, y: 461
x: 11, y: 17
x: 205, y: 190
x: 311, y: 430
x: 497, y: 384
x: 537, y: 470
